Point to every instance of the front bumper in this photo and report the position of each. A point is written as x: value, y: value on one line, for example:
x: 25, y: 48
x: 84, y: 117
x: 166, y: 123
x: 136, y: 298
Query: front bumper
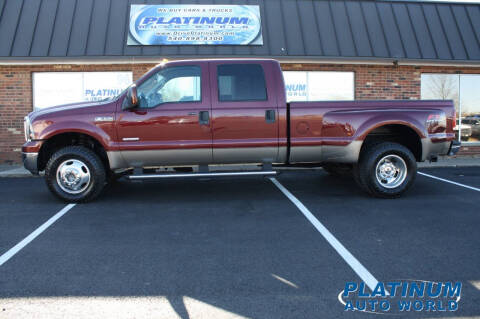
x: 30, y: 152
x: 454, y: 148
x: 30, y: 162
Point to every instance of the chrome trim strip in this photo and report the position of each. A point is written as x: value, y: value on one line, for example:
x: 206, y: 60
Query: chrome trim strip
x: 130, y: 139
x: 213, y: 174
x: 104, y: 119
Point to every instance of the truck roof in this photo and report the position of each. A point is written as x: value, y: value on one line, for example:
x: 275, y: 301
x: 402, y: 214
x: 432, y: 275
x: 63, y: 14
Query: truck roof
x: 197, y: 61
x: 220, y: 59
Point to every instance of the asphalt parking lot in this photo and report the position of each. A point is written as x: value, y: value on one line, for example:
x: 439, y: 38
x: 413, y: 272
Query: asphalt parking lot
x: 233, y: 247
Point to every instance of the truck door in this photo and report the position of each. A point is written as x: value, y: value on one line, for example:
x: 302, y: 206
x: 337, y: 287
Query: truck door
x: 244, y: 113
x: 171, y: 125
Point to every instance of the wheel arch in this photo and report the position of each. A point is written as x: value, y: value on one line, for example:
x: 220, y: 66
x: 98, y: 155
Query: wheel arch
x: 71, y: 138
x: 401, y: 133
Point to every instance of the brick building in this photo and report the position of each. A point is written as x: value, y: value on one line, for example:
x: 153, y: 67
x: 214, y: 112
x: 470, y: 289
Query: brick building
x: 328, y: 49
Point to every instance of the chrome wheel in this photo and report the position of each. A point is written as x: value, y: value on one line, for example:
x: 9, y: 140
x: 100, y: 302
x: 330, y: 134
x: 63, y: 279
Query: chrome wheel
x: 391, y: 171
x: 73, y: 176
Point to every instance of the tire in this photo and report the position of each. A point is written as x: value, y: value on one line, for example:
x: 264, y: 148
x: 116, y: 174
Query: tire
x: 338, y: 169
x: 386, y: 170
x: 83, y: 174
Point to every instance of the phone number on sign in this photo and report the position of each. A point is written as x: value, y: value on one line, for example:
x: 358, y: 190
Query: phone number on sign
x: 212, y: 38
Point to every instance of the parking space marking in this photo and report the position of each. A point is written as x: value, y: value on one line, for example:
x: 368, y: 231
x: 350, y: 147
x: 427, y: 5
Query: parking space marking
x: 353, y: 262
x: 15, y: 249
x: 449, y: 181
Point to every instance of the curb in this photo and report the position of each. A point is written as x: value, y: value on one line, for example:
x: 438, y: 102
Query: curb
x: 16, y: 173
x: 448, y: 165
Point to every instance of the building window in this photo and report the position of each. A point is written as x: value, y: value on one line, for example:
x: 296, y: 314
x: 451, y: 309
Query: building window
x: 463, y: 89
x: 241, y: 82
x: 56, y: 88
x: 319, y: 85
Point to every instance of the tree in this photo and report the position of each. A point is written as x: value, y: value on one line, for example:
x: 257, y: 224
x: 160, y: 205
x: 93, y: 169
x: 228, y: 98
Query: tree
x: 441, y: 86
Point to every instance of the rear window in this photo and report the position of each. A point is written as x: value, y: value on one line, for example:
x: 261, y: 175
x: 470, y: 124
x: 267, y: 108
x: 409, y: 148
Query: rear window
x: 241, y: 82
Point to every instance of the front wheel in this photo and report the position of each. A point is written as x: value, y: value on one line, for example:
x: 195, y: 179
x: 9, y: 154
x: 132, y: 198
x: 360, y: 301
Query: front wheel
x: 75, y: 174
x: 386, y: 169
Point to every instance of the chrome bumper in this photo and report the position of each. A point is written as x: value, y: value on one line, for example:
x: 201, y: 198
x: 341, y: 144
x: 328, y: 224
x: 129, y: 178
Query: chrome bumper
x: 454, y: 147
x: 30, y: 162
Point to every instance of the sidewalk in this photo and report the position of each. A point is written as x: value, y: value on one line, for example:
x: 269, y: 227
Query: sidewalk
x: 12, y: 170
x: 457, y: 161
x: 8, y: 170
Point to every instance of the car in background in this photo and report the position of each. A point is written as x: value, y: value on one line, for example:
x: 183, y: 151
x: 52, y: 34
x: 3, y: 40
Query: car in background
x: 474, y: 123
x: 466, y: 131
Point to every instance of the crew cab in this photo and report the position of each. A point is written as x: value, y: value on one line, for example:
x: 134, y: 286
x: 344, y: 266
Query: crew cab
x: 198, y: 113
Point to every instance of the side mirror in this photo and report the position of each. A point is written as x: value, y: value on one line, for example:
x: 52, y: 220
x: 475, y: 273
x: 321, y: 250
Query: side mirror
x: 131, y: 99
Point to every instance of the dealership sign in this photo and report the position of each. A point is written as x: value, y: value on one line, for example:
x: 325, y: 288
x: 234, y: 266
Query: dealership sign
x: 195, y: 25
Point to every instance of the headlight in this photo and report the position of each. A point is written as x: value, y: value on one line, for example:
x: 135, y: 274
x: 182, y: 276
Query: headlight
x: 27, y: 127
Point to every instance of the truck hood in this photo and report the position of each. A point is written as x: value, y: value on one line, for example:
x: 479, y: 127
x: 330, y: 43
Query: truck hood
x: 67, y: 107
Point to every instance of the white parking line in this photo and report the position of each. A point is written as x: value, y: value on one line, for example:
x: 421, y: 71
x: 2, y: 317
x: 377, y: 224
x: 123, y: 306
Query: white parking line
x: 449, y: 181
x: 353, y: 262
x: 15, y: 249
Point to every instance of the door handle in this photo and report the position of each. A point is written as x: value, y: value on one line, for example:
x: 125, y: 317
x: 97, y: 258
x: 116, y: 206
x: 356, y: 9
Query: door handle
x: 203, y: 118
x: 270, y: 116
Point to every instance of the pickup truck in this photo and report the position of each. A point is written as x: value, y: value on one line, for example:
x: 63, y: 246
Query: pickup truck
x: 198, y: 113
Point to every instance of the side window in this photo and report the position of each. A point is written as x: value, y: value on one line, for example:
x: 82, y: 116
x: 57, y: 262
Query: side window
x: 171, y: 85
x: 241, y: 82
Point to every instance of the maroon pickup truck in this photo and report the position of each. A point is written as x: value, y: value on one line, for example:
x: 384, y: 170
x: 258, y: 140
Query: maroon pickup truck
x: 204, y: 112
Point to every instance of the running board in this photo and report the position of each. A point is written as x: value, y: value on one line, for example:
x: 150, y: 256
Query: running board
x: 211, y: 174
